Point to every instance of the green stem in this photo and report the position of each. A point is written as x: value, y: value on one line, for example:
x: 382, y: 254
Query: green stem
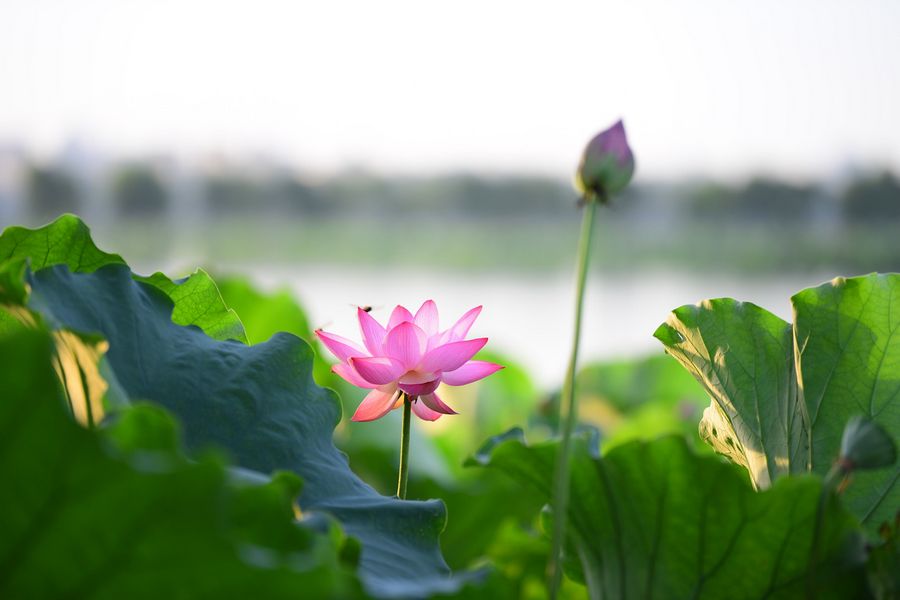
x: 404, y: 447
x: 568, y: 403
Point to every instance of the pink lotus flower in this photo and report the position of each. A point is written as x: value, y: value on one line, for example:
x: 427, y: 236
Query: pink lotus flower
x: 410, y: 356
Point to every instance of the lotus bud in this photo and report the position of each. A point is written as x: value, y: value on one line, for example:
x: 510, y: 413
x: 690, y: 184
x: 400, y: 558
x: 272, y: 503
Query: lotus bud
x: 607, y: 165
x: 866, y: 445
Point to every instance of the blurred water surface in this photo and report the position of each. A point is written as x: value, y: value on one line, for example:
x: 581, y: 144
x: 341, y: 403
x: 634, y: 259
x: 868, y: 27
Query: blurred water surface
x: 529, y: 317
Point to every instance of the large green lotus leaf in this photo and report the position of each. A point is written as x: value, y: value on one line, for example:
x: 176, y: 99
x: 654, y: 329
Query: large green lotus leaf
x: 743, y: 356
x: 67, y: 241
x: 653, y: 519
x: 258, y: 402
x: 781, y: 394
x: 847, y: 336
x: 120, y: 513
x: 198, y: 302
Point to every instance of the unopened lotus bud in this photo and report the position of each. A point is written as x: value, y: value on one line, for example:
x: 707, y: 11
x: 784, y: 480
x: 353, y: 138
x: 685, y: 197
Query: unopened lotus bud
x: 866, y: 445
x: 607, y: 165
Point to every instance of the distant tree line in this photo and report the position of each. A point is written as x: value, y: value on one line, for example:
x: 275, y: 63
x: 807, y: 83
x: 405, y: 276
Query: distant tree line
x: 867, y: 198
x: 140, y: 190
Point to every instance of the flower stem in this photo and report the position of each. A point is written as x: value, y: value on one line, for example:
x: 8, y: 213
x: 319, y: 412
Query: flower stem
x: 404, y: 447
x: 568, y: 406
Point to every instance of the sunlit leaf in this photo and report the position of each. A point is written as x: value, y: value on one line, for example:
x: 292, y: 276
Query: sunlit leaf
x: 847, y: 336
x: 743, y: 356
x: 198, y: 302
x: 76, y: 361
x: 783, y: 394
x: 65, y: 241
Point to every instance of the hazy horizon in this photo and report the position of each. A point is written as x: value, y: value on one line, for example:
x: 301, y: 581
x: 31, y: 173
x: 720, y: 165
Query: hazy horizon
x: 726, y: 90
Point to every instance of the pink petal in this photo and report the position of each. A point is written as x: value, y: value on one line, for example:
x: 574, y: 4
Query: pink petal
x: 461, y: 328
x: 400, y: 315
x: 434, y: 402
x: 350, y: 375
x: 405, y: 343
x: 427, y: 318
x: 372, y: 332
x: 341, y: 347
x: 379, y: 370
x: 425, y: 413
x: 469, y: 372
x: 420, y: 389
x: 452, y: 356
x: 376, y: 404
x: 438, y: 339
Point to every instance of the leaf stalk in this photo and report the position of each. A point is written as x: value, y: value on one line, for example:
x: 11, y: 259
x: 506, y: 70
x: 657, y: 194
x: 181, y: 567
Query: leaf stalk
x: 568, y: 403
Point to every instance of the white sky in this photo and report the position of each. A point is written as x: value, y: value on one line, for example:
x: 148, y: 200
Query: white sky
x: 722, y: 87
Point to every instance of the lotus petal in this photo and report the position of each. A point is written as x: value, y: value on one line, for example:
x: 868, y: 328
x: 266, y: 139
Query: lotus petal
x: 452, y: 356
x: 349, y: 374
x: 376, y: 404
x: 434, y: 402
x: 462, y: 326
x: 469, y: 372
x: 372, y: 332
x: 427, y: 318
x: 425, y: 413
x: 399, y: 315
x: 341, y: 347
x: 379, y: 370
x: 405, y: 343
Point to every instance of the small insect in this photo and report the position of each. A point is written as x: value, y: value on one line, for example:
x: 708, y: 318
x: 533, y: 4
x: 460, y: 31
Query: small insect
x: 365, y: 307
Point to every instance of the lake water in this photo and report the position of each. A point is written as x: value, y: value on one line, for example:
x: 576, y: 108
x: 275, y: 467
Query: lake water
x: 529, y: 317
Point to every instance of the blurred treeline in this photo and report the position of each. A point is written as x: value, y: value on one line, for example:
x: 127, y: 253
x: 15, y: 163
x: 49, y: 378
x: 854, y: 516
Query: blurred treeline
x: 141, y: 190
x: 245, y: 212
